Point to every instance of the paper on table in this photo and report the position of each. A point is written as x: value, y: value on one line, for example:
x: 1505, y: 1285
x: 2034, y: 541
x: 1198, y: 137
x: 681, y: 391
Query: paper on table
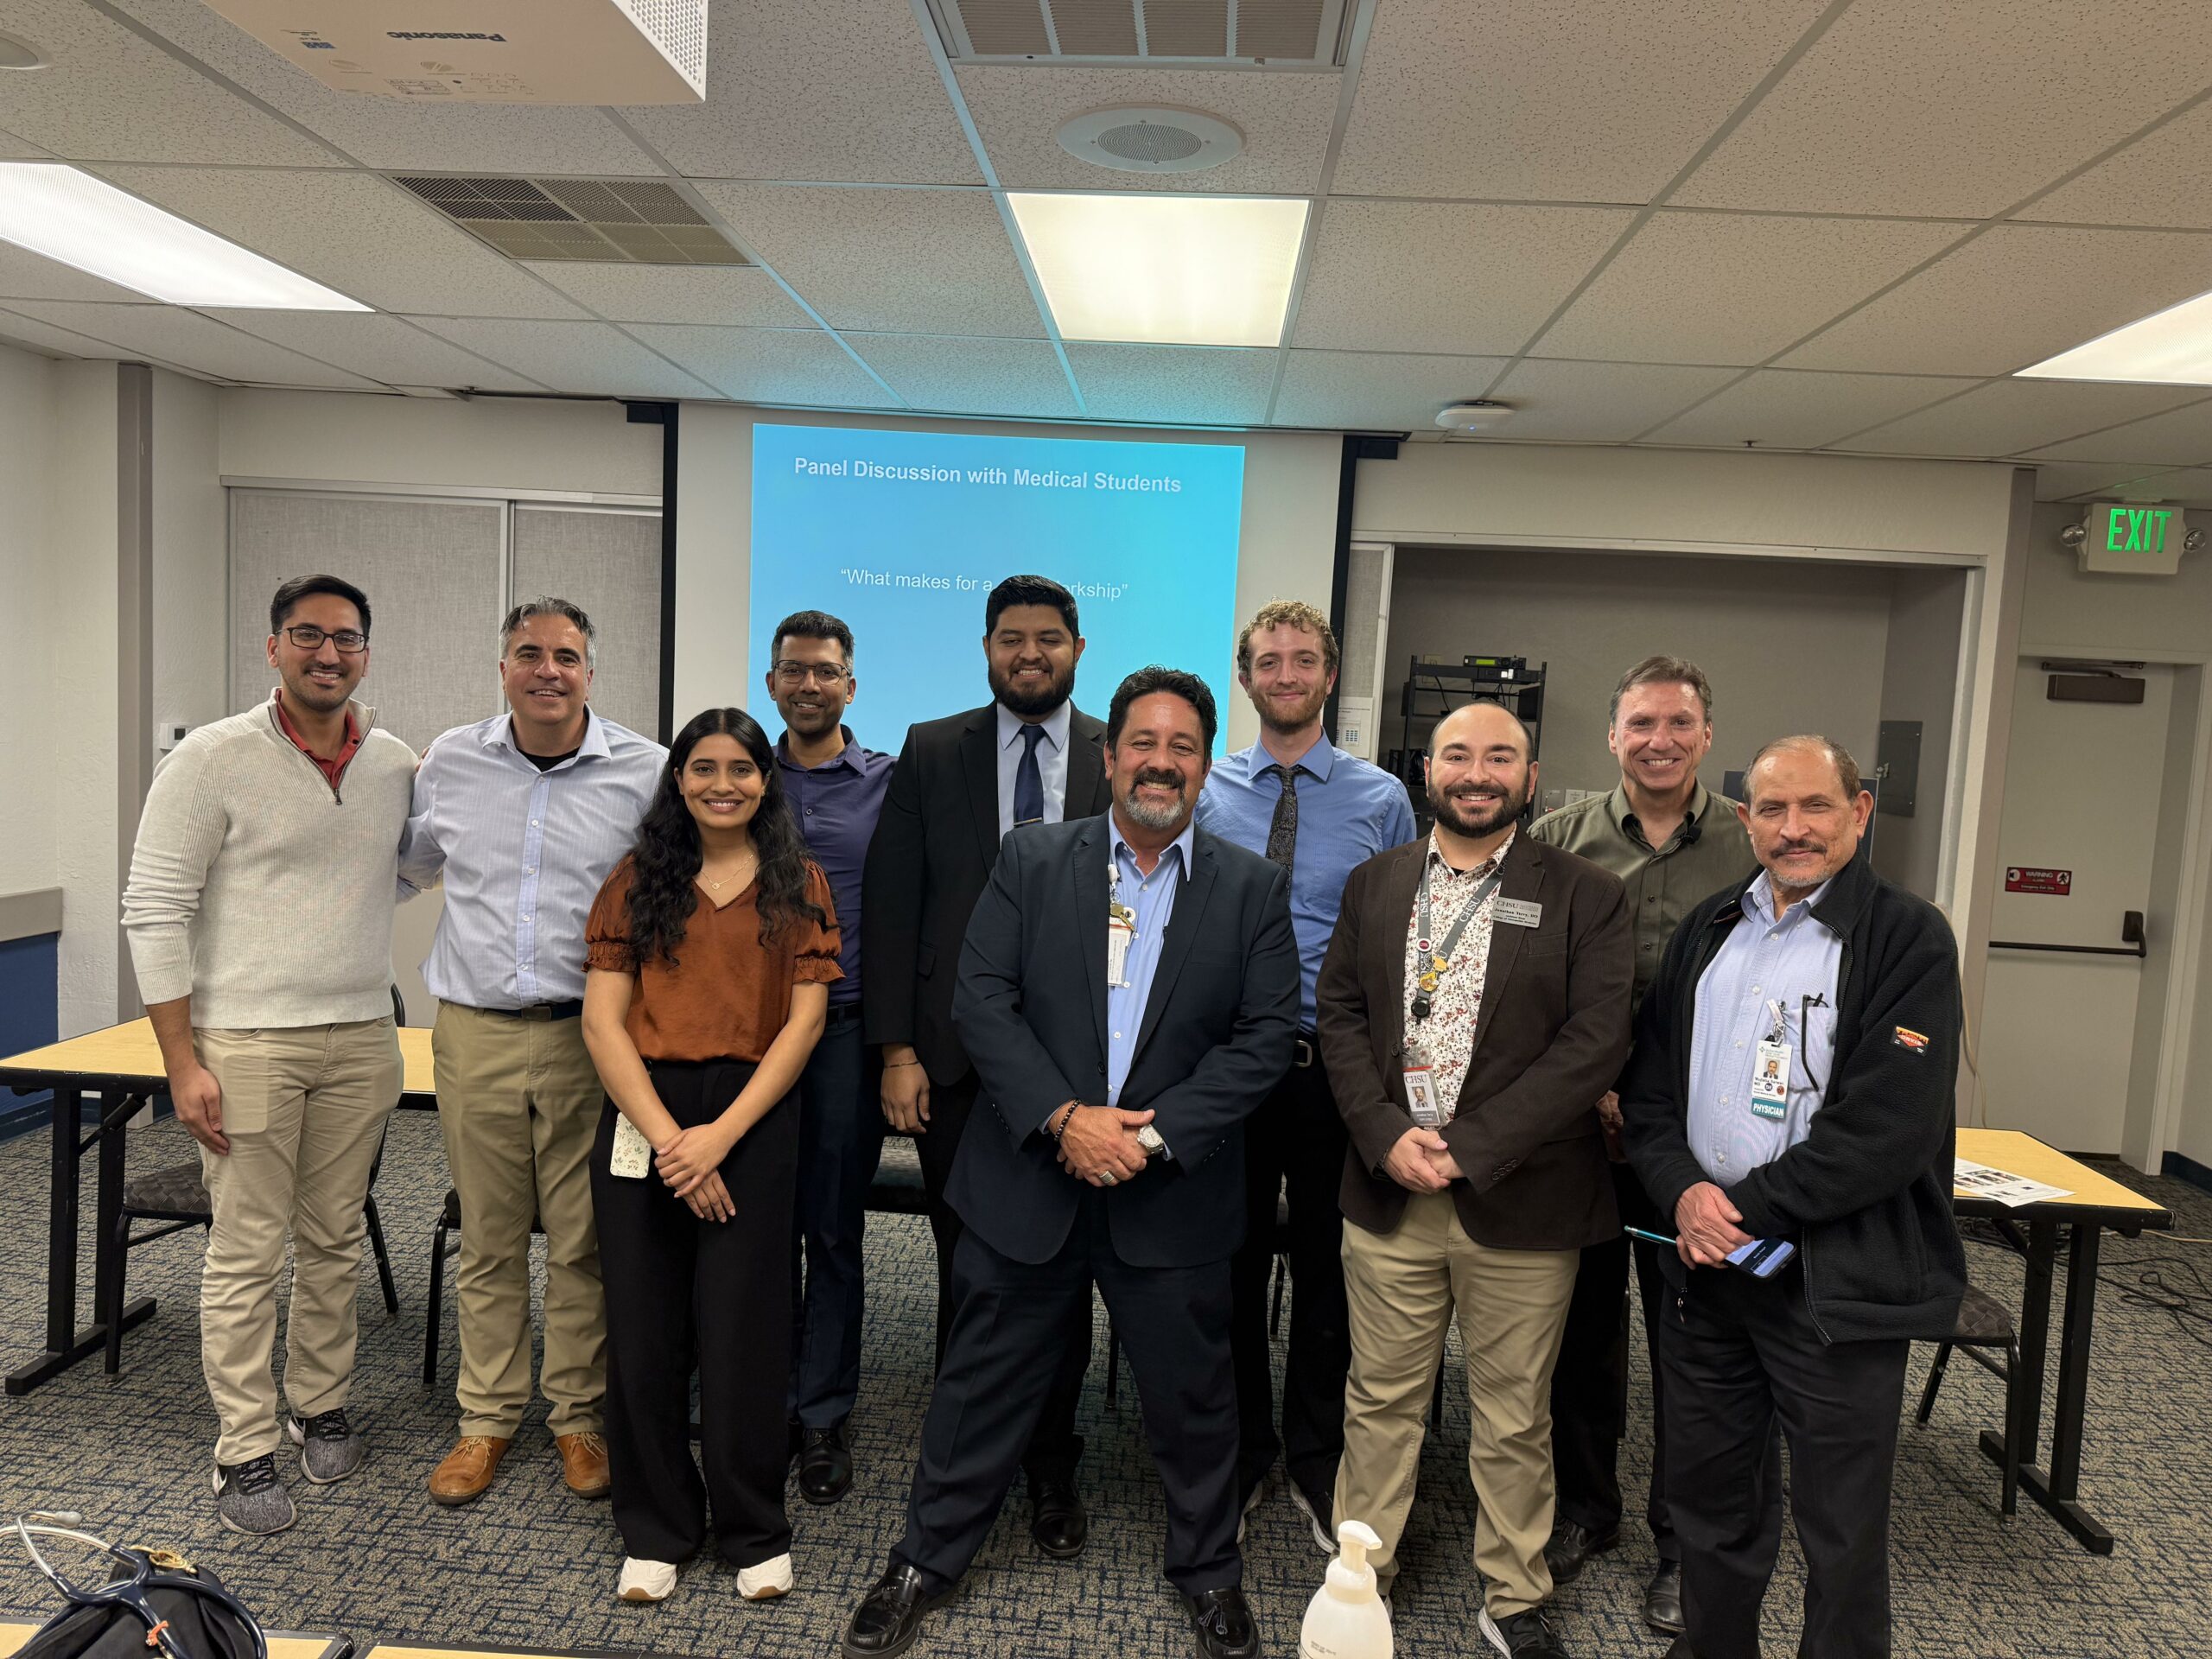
x: 1981, y: 1181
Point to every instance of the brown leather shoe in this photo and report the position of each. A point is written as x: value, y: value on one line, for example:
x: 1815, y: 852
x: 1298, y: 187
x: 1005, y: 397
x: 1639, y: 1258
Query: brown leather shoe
x: 583, y: 1464
x: 467, y: 1470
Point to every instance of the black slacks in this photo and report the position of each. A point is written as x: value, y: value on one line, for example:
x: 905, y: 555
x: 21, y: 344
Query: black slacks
x: 1055, y: 1448
x: 998, y: 1371
x: 1295, y: 1144
x: 1590, y: 1383
x: 1741, y: 1355
x: 681, y: 1291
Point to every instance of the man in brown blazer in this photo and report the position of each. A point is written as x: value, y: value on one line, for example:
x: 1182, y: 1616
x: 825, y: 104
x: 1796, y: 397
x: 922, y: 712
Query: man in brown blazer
x: 1472, y: 1006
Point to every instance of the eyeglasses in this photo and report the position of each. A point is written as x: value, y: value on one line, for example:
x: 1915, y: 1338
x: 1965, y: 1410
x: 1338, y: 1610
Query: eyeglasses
x: 799, y: 673
x: 349, y: 642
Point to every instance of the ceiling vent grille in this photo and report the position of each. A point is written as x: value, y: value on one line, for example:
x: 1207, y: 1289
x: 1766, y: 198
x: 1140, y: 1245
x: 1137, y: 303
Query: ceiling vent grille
x: 1272, y: 33
x: 607, y: 221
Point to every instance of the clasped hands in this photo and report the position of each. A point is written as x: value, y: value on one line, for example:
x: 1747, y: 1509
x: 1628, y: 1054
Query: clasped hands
x: 690, y: 1162
x: 1098, y: 1144
x: 1421, y: 1161
x: 1706, y: 1233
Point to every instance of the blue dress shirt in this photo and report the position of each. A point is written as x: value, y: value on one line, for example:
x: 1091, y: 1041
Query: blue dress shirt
x: 1051, y: 763
x: 836, y: 804
x: 1152, y: 898
x: 523, y: 853
x: 1762, y: 961
x: 1348, y: 811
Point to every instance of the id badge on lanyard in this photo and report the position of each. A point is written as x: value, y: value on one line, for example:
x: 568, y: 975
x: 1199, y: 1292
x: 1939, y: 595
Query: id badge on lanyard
x: 1770, y: 1070
x: 1121, y: 931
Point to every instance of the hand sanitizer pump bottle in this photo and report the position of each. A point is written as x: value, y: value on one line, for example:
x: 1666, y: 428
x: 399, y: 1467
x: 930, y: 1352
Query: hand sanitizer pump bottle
x: 1346, y: 1618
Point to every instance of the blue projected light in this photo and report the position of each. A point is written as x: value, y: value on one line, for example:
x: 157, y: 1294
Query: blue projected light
x: 903, y: 534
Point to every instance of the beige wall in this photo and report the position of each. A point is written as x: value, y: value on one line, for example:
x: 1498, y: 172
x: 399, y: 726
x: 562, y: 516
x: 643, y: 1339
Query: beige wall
x: 28, y: 578
x: 1920, y: 681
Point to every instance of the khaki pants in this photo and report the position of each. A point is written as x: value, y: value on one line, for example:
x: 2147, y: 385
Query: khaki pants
x: 304, y: 1111
x: 1402, y: 1290
x: 518, y: 1100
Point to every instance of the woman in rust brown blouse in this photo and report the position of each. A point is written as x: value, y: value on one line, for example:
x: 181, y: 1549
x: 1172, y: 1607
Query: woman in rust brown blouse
x: 712, y: 947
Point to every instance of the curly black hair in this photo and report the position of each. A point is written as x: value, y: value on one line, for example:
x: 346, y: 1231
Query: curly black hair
x: 664, y: 861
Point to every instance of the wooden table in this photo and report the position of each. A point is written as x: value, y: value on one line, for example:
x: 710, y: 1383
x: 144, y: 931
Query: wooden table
x: 283, y: 1644
x: 123, y: 1065
x: 2094, y: 1202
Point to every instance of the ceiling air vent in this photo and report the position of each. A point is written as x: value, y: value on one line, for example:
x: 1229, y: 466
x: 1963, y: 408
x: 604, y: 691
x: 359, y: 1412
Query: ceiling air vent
x: 610, y: 221
x: 1278, y: 34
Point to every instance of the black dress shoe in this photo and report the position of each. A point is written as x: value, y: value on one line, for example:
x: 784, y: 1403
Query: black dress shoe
x: 885, y: 1621
x: 1681, y: 1649
x: 1662, y: 1602
x: 1521, y: 1635
x: 1056, y: 1520
x: 1224, y: 1624
x: 1571, y: 1547
x: 825, y: 1464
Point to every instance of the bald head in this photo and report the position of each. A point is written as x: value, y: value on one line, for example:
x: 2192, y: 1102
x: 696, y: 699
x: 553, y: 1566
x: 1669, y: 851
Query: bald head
x: 1478, y: 723
x: 1480, y: 776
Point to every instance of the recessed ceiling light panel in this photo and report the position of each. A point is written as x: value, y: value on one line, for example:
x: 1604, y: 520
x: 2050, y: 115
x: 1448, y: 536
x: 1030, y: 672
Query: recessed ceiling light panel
x: 20, y: 54
x: 1151, y: 140
x: 1164, y: 270
x: 70, y: 216
x: 2169, y: 347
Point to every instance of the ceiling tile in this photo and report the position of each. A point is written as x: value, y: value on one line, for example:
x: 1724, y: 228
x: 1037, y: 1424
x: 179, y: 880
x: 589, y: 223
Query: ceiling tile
x: 1785, y: 408
x: 1393, y: 391
x: 1417, y: 276
x: 1735, y: 288
x: 2181, y: 438
x: 2192, y: 485
x: 2005, y: 418
x: 363, y: 236
x: 110, y: 95
x: 1601, y: 402
x: 13, y: 148
x: 770, y: 366
x: 837, y: 91
x: 28, y: 276
x: 396, y: 132
x: 1552, y: 100
x: 1195, y: 384
x: 921, y: 262
x: 2165, y: 179
x: 970, y: 377
x: 1954, y: 110
x: 196, y: 342
x: 725, y: 296
x: 593, y: 359
x: 386, y: 348
x: 2013, y: 296
x: 2056, y: 479
x: 16, y: 329
x: 1285, y: 119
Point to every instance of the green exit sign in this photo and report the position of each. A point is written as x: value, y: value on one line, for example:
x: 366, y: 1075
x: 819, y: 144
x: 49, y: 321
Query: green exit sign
x: 2142, y: 541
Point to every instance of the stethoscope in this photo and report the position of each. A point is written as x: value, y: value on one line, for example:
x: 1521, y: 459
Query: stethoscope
x: 129, y: 1593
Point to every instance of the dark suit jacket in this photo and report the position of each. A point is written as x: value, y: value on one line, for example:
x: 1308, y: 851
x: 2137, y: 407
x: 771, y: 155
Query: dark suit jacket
x: 1219, y: 1026
x: 932, y: 852
x: 1553, y: 1032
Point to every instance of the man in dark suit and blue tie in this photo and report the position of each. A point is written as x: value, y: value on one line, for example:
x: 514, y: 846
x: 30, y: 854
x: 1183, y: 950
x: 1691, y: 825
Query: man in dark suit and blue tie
x: 1128, y: 992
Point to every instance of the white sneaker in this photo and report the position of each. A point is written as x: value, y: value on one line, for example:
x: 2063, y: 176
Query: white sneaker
x: 773, y: 1578
x: 646, y: 1581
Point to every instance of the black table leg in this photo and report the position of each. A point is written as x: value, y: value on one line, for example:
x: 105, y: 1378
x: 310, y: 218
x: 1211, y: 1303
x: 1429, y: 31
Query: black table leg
x: 2035, y: 1341
x: 2055, y: 1488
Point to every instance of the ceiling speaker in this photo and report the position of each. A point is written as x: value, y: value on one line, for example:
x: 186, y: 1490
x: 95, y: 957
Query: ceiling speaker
x: 1151, y: 140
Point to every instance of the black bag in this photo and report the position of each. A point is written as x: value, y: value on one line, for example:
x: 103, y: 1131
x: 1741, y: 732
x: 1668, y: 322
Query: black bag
x: 193, y: 1615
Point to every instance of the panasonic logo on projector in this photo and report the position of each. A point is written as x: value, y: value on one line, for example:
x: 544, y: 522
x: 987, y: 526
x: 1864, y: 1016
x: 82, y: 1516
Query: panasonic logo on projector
x: 591, y: 52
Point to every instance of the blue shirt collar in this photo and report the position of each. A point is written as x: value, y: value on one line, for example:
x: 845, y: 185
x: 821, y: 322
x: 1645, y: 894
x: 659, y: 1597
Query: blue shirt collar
x: 1055, y: 725
x: 1182, y: 845
x: 500, y: 734
x: 1318, y: 760
x: 849, y: 757
x: 1758, y: 901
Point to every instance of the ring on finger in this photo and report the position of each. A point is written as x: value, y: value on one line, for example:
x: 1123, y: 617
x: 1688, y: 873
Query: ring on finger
x: 1107, y: 1177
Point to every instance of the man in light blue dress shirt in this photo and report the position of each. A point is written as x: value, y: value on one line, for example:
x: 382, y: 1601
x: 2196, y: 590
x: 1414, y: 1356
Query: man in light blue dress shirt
x: 524, y: 814
x: 1296, y: 798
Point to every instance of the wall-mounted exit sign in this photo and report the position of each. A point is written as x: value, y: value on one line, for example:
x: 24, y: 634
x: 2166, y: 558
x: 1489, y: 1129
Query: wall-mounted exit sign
x: 2133, y: 541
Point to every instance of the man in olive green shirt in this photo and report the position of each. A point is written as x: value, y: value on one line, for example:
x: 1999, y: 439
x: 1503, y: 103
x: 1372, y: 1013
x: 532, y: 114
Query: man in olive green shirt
x: 1673, y: 844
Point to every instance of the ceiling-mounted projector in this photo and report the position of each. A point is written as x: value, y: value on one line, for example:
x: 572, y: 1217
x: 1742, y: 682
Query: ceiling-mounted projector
x: 490, y: 51
x: 1475, y: 415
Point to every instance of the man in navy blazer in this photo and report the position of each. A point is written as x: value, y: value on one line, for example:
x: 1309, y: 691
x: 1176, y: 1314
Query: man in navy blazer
x: 1128, y: 992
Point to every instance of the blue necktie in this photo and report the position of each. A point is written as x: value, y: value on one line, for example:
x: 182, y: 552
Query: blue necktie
x: 1028, y: 781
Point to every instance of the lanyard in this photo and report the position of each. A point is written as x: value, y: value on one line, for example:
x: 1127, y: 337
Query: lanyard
x: 1436, y: 962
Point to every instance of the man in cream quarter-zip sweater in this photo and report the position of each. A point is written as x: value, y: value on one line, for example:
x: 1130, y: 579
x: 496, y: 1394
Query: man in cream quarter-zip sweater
x: 259, y: 912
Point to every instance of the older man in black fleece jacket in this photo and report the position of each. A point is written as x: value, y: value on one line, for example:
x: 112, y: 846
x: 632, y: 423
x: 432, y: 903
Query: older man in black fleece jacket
x: 1792, y: 1079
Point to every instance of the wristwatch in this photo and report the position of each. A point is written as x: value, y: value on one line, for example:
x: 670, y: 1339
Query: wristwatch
x: 1149, y: 1139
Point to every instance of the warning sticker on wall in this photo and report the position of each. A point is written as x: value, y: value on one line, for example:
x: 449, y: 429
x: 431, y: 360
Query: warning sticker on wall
x: 2028, y: 878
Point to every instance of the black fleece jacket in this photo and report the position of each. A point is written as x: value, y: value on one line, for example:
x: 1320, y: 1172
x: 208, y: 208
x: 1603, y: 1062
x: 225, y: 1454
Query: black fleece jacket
x: 1866, y: 1195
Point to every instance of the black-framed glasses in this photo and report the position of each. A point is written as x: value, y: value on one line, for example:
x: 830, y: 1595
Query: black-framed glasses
x: 349, y: 641
x: 798, y: 673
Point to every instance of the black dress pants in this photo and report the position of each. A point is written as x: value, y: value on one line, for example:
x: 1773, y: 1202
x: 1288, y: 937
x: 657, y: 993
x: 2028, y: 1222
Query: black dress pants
x: 1295, y: 1144
x: 1742, y: 1356
x: 681, y: 1291
x: 998, y: 1372
x: 1590, y: 1383
x: 1055, y: 1448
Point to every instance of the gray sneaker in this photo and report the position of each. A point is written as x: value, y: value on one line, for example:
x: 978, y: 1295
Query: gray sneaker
x: 249, y: 1498
x: 329, y: 1449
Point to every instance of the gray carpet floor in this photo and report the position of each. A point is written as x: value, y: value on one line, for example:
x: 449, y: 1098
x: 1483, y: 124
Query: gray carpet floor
x: 530, y: 1567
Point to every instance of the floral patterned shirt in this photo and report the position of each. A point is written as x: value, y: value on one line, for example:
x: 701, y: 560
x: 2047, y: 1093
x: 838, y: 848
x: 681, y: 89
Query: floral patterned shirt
x: 1445, y: 1041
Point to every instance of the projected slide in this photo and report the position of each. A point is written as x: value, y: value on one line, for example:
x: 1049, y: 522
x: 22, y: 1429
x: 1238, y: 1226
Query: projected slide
x: 902, y: 534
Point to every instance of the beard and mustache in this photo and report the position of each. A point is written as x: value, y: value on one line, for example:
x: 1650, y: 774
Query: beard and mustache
x: 1032, y: 705
x: 1157, y: 815
x: 1475, y: 809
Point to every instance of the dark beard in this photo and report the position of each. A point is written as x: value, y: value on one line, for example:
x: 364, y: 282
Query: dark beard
x: 1034, y: 705
x: 1447, y: 812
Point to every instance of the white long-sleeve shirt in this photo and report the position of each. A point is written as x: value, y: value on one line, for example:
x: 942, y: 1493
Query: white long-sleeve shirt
x: 259, y: 890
